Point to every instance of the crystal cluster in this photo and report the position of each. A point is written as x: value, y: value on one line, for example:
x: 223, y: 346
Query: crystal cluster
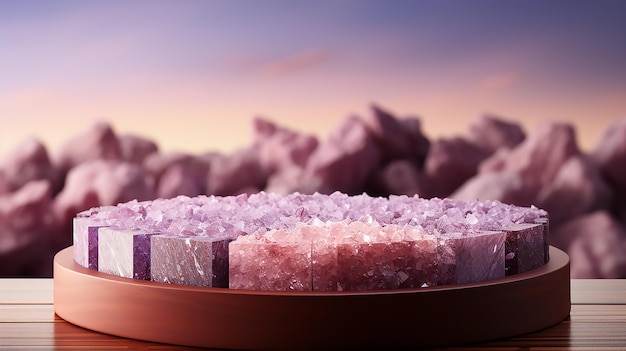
x: 312, y: 242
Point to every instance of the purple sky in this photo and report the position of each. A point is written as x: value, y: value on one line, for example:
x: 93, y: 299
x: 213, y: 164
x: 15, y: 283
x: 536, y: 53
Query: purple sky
x: 191, y: 74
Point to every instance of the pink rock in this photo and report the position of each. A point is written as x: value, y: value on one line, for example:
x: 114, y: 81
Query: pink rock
x: 577, y: 189
x: 97, y: 142
x: 178, y: 173
x: 505, y: 186
x: 398, y: 138
x: 26, y: 163
x: 609, y: 155
x: 4, y: 183
x: 236, y: 173
x: 157, y: 163
x: 539, y: 157
x: 99, y: 183
x: 491, y: 133
x: 496, y: 162
x: 346, y: 160
x: 27, y: 230
x: 595, y: 243
x: 401, y: 177
x: 136, y: 148
x: 449, y: 163
x: 280, y: 148
x: 290, y: 180
x: 24, y: 213
x: 185, y: 178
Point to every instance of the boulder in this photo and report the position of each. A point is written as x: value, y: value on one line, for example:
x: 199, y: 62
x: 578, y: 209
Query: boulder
x: 98, y: 142
x: 449, y: 163
x: 397, y: 138
x: 345, y: 161
x: 505, y: 186
x: 135, y: 148
x: 27, y: 229
x: 577, y: 189
x: 101, y: 182
x: 539, y: 157
x: 29, y: 161
x: 596, y: 244
x: 491, y: 133
x: 400, y: 177
x: 188, y: 177
x: 236, y: 173
x: 280, y: 148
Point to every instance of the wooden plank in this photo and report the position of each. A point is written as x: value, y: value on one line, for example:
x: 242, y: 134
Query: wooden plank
x: 65, y: 335
x: 598, y: 327
x: 32, y: 291
x: 27, y: 322
x: 598, y: 291
x: 27, y: 313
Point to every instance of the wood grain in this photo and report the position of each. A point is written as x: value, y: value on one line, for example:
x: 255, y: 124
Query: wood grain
x: 27, y: 322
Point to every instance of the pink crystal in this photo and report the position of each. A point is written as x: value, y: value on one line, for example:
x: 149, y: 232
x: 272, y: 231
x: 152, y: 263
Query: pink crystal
x: 257, y: 263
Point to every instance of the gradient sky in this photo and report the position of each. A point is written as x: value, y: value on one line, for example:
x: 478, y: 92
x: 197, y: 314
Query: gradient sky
x: 192, y: 74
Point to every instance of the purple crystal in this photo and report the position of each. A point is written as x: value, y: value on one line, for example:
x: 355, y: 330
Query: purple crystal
x: 312, y: 242
x: 524, y: 247
x: 469, y: 258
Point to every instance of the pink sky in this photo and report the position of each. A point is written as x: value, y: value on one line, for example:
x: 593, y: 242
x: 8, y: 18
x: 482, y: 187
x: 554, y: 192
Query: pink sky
x: 192, y: 74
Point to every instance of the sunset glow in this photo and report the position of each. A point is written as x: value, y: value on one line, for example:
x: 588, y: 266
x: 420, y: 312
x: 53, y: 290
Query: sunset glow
x: 192, y: 74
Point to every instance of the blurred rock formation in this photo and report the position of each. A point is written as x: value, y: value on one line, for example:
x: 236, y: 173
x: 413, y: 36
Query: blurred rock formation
x: 380, y: 154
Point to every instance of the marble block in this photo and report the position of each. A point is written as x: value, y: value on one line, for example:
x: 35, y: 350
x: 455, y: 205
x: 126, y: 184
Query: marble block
x: 124, y: 252
x: 525, y: 247
x: 468, y: 258
x: 85, y: 237
x: 198, y: 261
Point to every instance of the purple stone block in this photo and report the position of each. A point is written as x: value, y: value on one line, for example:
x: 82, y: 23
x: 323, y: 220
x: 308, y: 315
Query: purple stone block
x: 469, y: 258
x: 85, y: 235
x: 124, y: 253
x: 525, y: 247
x: 197, y: 261
x: 86, y: 241
x: 81, y: 240
x: 92, y: 236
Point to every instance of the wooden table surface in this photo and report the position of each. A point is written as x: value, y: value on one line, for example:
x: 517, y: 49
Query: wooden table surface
x: 28, y: 322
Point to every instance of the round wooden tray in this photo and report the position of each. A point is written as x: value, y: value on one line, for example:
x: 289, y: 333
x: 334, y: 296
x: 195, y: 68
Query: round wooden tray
x: 258, y: 320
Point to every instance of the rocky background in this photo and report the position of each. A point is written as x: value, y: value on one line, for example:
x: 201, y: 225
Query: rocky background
x: 380, y: 154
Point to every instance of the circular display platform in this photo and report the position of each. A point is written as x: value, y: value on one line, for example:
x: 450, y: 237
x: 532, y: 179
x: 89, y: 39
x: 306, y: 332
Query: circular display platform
x: 261, y: 320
